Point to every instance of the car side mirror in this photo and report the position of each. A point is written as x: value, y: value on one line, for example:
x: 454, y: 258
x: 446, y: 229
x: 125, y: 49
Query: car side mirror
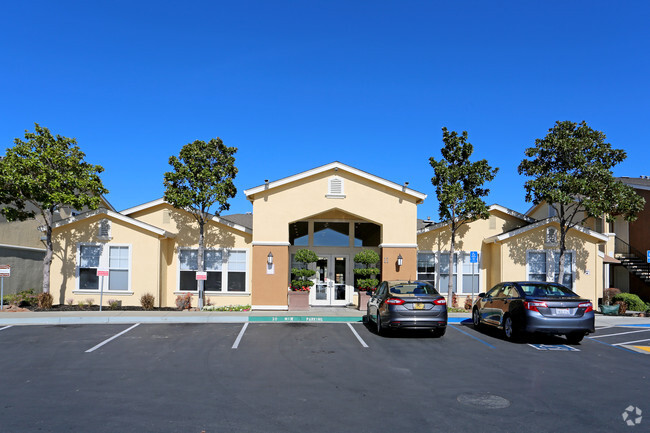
x: 481, y: 295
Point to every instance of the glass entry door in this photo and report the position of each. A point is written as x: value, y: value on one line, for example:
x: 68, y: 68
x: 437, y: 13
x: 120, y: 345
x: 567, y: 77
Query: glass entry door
x: 331, y: 281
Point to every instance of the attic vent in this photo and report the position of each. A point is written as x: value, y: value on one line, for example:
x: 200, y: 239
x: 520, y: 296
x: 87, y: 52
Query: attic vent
x: 551, y: 236
x: 104, y: 231
x: 335, y: 188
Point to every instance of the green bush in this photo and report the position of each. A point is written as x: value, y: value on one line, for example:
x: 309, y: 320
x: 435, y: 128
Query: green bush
x: 302, y: 274
x: 25, y: 298
x: 368, y: 258
x: 45, y: 301
x: 634, y: 303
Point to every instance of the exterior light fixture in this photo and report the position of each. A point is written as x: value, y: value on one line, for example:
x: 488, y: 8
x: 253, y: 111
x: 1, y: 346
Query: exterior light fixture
x: 269, y: 258
x: 400, y: 260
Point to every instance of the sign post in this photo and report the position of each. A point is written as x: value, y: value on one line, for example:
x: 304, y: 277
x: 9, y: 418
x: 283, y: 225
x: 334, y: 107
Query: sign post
x: 101, y: 273
x: 473, y: 259
x: 5, y: 272
x: 201, y: 277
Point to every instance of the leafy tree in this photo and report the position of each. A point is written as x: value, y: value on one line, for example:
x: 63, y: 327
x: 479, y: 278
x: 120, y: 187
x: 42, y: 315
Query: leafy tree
x: 43, y: 173
x: 368, y: 258
x: 459, y: 188
x: 201, y: 183
x: 571, y: 171
x: 302, y: 274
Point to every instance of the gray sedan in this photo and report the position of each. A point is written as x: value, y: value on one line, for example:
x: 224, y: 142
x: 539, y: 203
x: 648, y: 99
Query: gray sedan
x: 408, y: 305
x: 531, y: 306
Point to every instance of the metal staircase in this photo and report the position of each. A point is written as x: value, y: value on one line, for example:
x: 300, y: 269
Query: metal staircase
x: 633, y: 260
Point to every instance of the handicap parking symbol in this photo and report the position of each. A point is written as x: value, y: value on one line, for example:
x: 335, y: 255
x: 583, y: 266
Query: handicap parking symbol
x: 555, y: 347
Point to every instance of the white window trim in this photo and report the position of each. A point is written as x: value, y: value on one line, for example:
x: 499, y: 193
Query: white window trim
x: 224, y: 272
x: 550, y: 265
x: 103, y: 264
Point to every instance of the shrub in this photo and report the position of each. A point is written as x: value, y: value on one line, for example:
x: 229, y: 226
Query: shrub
x: 454, y: 300
x: 45, y: 301
x: 184, y: 302
x: 147, y: 301
x: 608, y: 294
x: 366, y: 276
x: 227, y: 308
x: 25, y: 298
x: 634, y: 303
x: 114, y: 304
x: 81, y: 304
x: 69, y: 301
x: 302, y: 274
x: 90, y: 302
x: 468, y: 303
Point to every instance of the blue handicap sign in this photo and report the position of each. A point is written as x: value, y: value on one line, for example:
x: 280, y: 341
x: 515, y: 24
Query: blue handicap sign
x: 473, y: 256
x: 555, y: 347
x: 648, y: 253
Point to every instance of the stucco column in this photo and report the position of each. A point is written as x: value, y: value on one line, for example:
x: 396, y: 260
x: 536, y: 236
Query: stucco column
x: 269, y: 290
x: 389, y: 268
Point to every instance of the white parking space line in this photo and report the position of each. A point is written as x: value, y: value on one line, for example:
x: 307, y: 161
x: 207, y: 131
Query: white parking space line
x: 241, y: 334
x: 6, y: 327
x: 605, y: 327
x: 110, y: 339
x: 630, y: 342
x: 354, y: 331
x: 620, y: 333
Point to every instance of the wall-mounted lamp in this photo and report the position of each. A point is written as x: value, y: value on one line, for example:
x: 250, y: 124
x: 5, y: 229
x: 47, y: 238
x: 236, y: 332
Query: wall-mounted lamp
x: 269, y: 258
x: 400, y: 260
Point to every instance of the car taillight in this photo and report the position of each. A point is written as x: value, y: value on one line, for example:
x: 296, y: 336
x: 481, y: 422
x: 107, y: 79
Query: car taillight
x: 441, y: 301
x: 588, y: 306
x: 394, y: 301
x: 533, y: 306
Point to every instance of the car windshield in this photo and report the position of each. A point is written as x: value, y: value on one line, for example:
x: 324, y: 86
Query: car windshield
x: 415, y: 288
x: 546, y: 290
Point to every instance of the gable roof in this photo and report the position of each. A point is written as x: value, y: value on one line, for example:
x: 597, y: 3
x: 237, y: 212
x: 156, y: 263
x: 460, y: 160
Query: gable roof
x: 336, y: 165
x: 117, y: 216
x: 642, y: 182
x: 541, y: 223
x: 427, y: 226
x: 230, y: 222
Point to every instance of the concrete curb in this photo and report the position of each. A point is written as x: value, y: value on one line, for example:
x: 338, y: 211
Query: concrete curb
x: 96, y: 318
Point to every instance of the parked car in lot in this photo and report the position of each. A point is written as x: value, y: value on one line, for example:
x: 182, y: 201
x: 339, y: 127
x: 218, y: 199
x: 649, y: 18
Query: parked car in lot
x: 408, y: 305
x: 531, y: 306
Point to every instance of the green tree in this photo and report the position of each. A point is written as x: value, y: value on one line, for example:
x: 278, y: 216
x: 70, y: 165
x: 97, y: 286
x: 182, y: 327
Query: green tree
x: 202, y: 183
x: 368, y: 258
x: 302, y: 274
x: 459, y: 188
x: 43, y: 173
x: 571, y: 171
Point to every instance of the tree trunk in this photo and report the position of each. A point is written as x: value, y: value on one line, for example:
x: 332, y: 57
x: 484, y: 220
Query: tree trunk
x: 49, y: 252
x: 560, y: 278
x: 452, y: 248
x: 201, y: 263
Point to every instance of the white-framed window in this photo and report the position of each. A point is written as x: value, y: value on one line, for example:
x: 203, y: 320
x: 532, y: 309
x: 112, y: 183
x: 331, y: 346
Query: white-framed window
x: 226, y: 270
x: 434, y: 267
x: 545, y: 266
x: 114, y: 257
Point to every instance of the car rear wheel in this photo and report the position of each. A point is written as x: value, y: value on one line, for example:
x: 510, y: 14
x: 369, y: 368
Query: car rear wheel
x: 510, y: 329
x: 575, y: 337
x: 439, y: 332
x: 476, y: 318
x: 378, y: 322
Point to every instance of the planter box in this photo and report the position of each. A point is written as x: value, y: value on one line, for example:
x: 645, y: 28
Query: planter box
x: 298, y: 301
x: 363, y: 300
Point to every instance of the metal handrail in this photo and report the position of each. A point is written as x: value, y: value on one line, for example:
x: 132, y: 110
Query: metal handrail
x: 622, y: 247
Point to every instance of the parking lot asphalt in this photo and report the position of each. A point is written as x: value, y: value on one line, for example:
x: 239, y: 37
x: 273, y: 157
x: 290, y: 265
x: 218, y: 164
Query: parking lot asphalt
x: 320, y: 377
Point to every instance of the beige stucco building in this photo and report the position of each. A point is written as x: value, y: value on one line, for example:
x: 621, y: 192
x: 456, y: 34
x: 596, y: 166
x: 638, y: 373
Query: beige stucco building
x: 334, y: 210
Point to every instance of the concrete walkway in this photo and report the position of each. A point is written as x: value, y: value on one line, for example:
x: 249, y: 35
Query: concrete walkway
x: 345, y: 315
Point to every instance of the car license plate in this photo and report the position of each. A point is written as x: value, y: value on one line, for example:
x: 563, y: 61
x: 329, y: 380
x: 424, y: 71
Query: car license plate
x: 562, y: 311
x: 419, y: 306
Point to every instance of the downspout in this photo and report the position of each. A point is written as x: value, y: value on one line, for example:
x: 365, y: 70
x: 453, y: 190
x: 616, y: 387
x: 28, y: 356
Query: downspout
x: 160, y: 240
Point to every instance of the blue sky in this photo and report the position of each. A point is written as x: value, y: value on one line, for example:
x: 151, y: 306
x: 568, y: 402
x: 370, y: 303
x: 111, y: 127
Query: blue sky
x: 298, y: 84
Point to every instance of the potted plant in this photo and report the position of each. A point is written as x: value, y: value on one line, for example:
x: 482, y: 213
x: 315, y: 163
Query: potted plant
x: 366, y: 281
x: 301, y: 284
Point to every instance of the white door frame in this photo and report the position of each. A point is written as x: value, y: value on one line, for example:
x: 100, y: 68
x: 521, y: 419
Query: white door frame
x: 330, y: 282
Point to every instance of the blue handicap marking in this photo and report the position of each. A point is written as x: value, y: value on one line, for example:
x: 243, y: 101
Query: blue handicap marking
x: 473, y: 256
x: 555, y: 347
x: 648, y: 253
